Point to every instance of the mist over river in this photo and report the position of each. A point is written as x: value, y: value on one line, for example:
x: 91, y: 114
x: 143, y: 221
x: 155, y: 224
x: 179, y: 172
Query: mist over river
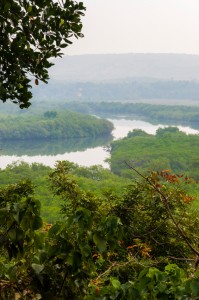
x: 85, y: 152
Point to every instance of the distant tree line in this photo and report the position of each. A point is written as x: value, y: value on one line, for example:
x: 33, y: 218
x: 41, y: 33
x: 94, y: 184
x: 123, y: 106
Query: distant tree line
x: 124, y: 90
x: 163, y: 113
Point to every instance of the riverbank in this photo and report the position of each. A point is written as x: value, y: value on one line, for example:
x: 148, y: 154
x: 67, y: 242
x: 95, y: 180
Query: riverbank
x: 94, y: 152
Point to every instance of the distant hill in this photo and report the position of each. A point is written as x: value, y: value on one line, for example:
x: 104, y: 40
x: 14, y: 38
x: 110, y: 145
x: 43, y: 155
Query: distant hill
x: 108, y: 67
x: 123, y: 77
x: 128, y: 91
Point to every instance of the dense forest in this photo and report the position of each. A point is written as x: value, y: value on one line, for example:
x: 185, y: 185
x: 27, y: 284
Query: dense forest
x: 96, y: 179
x: 177, y: 114
x: 168, y: 149
x: 109, y: 241
x: 52, y: 125
x: 72, y: 232
x: 154, y: 113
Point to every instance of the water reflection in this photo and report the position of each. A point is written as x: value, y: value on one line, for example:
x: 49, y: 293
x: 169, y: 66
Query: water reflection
x: 87, y: 158
x: 123, y: 126
x: 83, y: 151
x: 51, y: 147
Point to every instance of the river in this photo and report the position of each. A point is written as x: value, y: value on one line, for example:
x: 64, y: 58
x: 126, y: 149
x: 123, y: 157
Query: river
x: 81, y: 151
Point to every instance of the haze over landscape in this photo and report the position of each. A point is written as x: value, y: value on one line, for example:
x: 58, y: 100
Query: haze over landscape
x: 99, y: 167
x: 137, y: 44
x: 107, y: 67
x: 123, y: 77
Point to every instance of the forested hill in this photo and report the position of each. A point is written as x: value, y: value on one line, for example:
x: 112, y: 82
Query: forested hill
x: 122, y: 77
x: 123, y: 91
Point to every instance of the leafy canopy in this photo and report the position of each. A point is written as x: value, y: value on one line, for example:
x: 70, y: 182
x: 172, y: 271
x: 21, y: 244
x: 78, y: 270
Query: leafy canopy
x: 104, y: 247
x: 31, y: 33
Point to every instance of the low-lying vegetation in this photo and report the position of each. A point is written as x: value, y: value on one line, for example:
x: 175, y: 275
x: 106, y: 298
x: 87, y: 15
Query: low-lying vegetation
x: 52, y: 125
x: 168, y: 149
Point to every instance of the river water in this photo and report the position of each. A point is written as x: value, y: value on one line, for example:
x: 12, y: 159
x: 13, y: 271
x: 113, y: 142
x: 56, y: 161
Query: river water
x: 77, y: 151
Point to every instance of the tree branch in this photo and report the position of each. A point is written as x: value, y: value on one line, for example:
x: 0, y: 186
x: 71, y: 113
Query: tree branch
x: 165, y: 201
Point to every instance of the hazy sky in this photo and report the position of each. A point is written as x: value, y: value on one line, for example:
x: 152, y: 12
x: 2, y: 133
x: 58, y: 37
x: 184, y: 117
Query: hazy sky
x: 145, y: 26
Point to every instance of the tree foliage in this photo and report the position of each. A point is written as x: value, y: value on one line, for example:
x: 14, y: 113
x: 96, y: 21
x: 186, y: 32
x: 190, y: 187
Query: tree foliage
x: 153, y: 113
x: 31, y: 33
x: 170, y: 149
x: 115, y: 248
x: 53, y: 125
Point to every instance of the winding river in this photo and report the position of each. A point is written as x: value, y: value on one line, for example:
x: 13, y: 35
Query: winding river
x: 86, y: 152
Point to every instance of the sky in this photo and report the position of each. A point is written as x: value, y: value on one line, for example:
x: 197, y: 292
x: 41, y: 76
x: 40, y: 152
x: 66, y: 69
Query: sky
x: 139, y: 26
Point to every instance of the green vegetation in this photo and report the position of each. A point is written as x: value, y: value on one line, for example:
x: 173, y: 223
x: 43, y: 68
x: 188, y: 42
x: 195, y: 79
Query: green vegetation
x: 168, y: 149
x: 166, y: 114
x: 38, y: 176
x: 52, y: 125
x: 118, y: 247
x: 86, y: 233
x: 33, y: 32
x: 95, y: 179
x: 154, y: 113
